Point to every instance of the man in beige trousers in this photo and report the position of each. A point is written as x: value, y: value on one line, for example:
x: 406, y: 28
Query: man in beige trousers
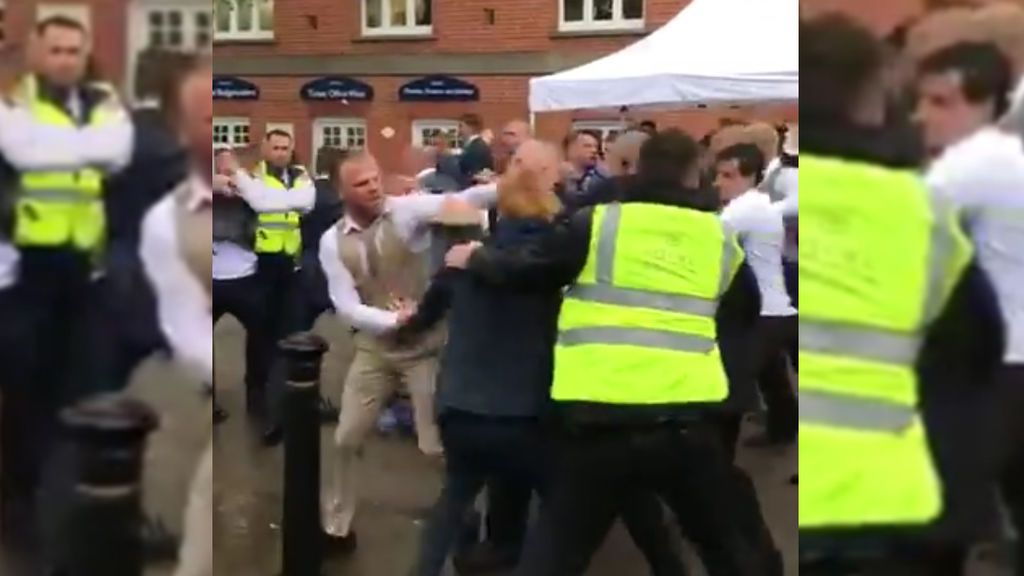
x: 375, y: 260
x: 177, y: 254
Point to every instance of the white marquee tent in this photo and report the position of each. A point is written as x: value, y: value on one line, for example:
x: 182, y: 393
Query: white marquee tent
x: 714, y: 52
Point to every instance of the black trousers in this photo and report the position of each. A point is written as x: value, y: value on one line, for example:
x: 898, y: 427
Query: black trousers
x: 513, y: 453
x: 245, y: 299
x: 286, y: 312
x: 43, y: 328
x: 599, y: 472
x: 1010, y: 456
x: 914, y: 562
x: 123, y: 326
x: 776, y: 337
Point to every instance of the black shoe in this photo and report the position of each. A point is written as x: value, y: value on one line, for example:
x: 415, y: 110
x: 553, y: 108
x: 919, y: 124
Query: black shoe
x: 340, y: 545
x: 272, y: 435
x: 158, y: 543
x: 485, y: 558
x: 219, y: 414
x: 328, y: 411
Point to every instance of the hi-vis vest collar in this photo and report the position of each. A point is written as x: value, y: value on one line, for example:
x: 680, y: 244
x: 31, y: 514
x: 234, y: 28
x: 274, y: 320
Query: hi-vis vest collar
x: 93, y: 94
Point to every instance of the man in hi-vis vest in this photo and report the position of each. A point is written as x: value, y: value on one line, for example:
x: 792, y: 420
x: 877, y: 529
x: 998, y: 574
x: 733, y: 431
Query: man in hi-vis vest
x: 641, y: 365
x: 177, y: 254
x: 62, y: 135
x: 376, y: 262
x: 280, y: 193
x: 898, y: 332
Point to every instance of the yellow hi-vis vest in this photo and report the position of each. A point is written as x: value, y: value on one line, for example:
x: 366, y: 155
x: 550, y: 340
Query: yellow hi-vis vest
x: 638, y: 326
x: 61, y: 208
x: 878, y: 260
x: 278, y: 232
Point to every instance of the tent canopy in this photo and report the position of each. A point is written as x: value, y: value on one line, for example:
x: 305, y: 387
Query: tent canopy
x: 714, y: 52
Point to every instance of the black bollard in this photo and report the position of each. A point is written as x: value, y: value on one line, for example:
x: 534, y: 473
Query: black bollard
x: 302, y: 535
x: 102, y: 535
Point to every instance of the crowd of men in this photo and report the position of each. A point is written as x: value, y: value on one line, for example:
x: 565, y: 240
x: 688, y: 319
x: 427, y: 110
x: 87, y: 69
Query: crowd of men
x: 912, y: 270
x: 104, y: 261
x: 396, y: 257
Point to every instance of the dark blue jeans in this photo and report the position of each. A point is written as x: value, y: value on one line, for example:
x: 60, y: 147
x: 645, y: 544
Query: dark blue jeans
x: 477, y: 448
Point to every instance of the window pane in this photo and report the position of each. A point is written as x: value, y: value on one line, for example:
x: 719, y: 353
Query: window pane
x: 267, y: 15
x: 423, y: 13
x: 174, y: 19
x: 156, y: 39
x: 604, y: 9
x: 243, y: 15
x: 374, y: 9
x: 156, y: 19
x: 223, y: 12
x: 633, y: 9
x: 175, y: 39
x: 399, y: 13
x: 573, y: 10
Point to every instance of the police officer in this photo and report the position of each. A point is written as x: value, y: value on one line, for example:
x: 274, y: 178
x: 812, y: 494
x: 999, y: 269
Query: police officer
x: 638, y: 367
x: 892, y: 311
x: 62, y: 137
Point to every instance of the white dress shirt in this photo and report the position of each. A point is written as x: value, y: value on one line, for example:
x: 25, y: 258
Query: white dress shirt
x: 28, y: 145
x: 264, y: 198
x: 411, y: 216
x: 759, y: 227
x: 183, y: 307
x: 8, y: 265
x: 984, y: 174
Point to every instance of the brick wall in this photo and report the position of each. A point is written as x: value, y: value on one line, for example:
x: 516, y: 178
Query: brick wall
x: 460, y: 26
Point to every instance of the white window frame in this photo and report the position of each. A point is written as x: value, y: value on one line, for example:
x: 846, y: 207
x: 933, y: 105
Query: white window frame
x: 138, y: 35
x: 588, y: 24
x: 605, y: 127
x: 81, y: 13
x: 234, y: 34
x: 232, y: 122
x: 386, y: 29
x: 418, y: 126
x: 320, y: 123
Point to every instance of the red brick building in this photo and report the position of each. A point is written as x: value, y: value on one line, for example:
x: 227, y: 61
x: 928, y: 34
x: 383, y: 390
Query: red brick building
x: 494, y: 46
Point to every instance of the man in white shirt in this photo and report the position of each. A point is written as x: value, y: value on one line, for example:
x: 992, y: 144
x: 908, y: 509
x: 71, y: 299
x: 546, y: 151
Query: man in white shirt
x: 172, y: 249
x: 375, y: 260
x: 749, y: 212
x: 963, y: 90
x: 236, y: 288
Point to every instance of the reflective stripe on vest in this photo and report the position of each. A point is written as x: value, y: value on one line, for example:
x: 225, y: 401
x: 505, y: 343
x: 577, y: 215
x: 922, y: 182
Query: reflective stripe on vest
x: 865, y: 458
x: 612, y: 335
x: 57, y: 209
x: 277, y: 232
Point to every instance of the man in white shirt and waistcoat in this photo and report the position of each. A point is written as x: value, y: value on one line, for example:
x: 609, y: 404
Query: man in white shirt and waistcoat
x: 176, y: 253
x: 376, y: 264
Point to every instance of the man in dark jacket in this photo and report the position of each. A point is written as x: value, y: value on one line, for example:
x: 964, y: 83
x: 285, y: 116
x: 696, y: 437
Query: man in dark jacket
x: 735, y: 533
x: 476, y: 155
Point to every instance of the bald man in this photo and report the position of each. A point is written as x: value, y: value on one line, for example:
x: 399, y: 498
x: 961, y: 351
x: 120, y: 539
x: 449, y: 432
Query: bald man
x: 375, y: 260
x: 514, y: 134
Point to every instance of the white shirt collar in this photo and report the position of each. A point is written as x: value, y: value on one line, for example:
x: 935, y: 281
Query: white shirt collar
x: 348, y: 225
